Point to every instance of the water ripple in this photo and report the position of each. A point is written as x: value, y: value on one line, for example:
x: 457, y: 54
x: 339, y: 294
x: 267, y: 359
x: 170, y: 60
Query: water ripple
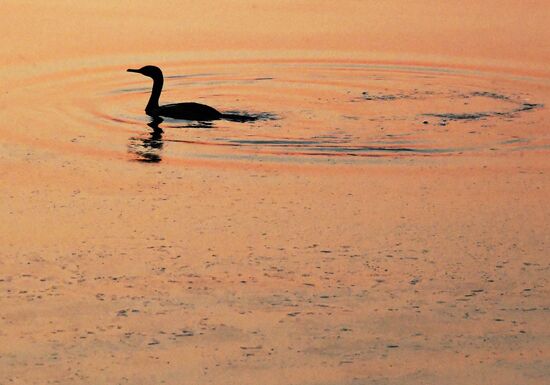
x: 301, y: 111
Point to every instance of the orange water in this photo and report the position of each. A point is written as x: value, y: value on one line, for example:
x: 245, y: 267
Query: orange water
x: 383, y: 222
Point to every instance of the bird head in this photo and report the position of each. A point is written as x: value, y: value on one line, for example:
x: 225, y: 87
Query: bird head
x: 150, y: 71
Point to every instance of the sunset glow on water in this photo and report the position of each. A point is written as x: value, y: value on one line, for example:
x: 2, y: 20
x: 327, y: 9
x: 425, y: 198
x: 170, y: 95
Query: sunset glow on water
x: 383, y: 220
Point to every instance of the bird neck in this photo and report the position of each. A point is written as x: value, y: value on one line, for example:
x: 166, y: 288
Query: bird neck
x: 153, y: 103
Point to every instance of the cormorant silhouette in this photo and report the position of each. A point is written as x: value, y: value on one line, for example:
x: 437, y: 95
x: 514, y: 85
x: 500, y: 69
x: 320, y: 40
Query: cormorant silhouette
x: 187, y: 111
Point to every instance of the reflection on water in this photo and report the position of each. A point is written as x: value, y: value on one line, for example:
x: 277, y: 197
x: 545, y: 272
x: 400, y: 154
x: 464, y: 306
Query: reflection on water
x: 148, y: 149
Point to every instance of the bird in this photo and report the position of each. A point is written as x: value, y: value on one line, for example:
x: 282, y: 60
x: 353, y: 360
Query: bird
x: 186, y: 111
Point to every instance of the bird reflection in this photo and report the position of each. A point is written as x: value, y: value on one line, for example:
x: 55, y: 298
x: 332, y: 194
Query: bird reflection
x: 148, y: 148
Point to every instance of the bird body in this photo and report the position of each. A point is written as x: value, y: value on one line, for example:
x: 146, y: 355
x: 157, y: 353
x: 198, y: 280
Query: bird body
x: 187, y: 111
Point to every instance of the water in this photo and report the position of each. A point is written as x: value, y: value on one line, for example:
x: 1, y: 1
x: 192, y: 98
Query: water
x: 383, y: 221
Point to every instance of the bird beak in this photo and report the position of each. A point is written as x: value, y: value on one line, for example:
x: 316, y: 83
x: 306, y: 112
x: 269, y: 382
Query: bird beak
x: 132, y: 70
